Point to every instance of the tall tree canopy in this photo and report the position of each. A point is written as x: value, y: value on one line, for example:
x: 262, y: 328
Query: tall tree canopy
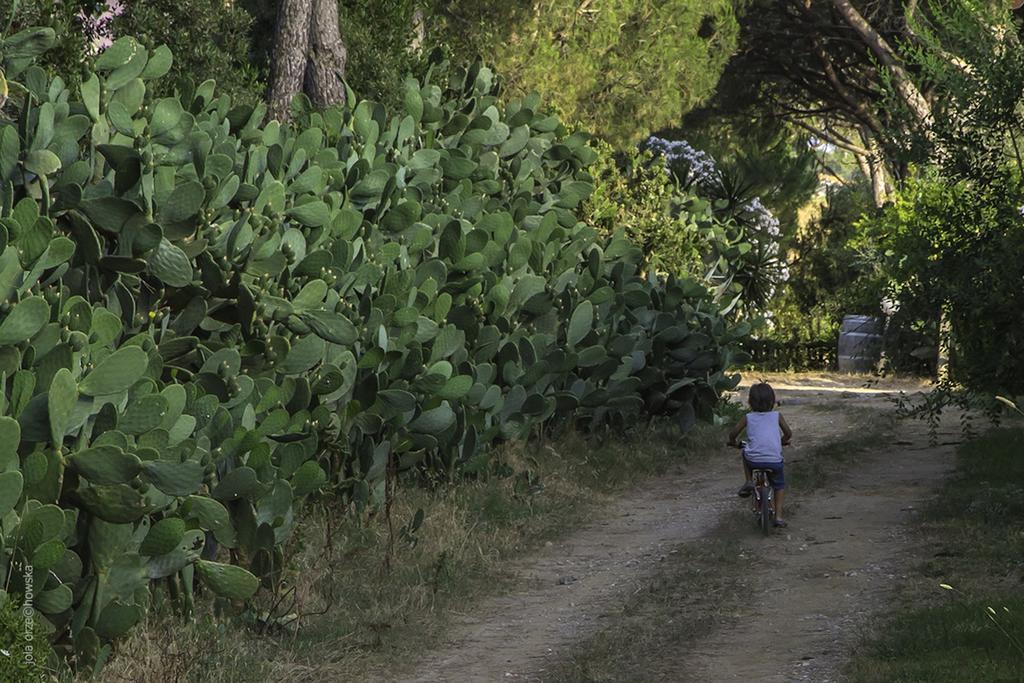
x: 619, y: 68
x: 881, y: 79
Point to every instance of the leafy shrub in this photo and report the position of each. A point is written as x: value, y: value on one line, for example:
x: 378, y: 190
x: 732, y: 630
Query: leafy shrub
x: 829, y: 278
x: 208, y: 37
x: 66, y: 55
x: 634, y: 193
x: 379, y: 35
x: 619, y: 69
x: 741, y: 235
x: 210, y: 318
x: 217, y: 42
x: 956, y: 246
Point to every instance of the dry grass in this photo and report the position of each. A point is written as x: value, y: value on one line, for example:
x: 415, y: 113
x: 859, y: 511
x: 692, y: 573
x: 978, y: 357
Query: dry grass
x: 360, y: 614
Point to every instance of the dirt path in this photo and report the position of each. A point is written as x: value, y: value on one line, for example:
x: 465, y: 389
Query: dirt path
x: 828, y: 572
x: 827, y: 576
x: 573, y: 582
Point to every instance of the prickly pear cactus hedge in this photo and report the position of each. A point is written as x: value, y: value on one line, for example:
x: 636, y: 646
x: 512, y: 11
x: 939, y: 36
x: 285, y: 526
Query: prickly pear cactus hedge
x: 208, y: 317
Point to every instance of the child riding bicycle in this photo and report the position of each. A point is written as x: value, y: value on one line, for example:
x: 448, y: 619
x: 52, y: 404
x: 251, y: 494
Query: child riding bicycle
x: 767, y: 433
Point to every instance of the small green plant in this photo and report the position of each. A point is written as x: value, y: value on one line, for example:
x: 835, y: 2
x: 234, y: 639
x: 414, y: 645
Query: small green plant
x: 25, y: 652
x: 995, y: 617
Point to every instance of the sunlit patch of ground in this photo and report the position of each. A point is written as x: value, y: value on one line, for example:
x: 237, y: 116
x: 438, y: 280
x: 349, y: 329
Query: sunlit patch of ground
x: 798, y: 387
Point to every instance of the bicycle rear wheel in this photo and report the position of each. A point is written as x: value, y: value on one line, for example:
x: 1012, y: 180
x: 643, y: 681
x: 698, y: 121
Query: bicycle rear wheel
x: 765, y: 517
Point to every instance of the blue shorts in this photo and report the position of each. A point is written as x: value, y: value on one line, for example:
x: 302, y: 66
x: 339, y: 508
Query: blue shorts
x: 776, y: 475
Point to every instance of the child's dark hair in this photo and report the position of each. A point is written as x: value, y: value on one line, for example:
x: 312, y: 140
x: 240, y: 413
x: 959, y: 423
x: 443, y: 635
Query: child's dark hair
x: 762, y: 397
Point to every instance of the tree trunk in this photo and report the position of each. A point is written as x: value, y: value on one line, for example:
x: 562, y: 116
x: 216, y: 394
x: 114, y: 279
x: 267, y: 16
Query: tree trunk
x: 945, y: 343
x: 879, y: 186
x: 419, y: 31
x: 872, y: 165
x: 327, y: 56
x: 865, y: 168
x: 291, y: 45
x: 309, y: 56
x: 887, y: 56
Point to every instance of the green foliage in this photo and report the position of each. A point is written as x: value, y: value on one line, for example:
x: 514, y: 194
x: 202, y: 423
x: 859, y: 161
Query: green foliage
x: 211, y: 38
x: 947, y: 242
x: 969, y: 57
x: 727, y: 239
x: 208, y: 37
x: 620, y: 69
x: 65, y: 56
x: 467, y: 28
x: 24, y: 642
x: 379, y: 36
x: 741, y: 250
x: 956, y: 246
x: 634, y: 192
x: 829, y: 278
x: 250, y: 313
x: 765, y: 157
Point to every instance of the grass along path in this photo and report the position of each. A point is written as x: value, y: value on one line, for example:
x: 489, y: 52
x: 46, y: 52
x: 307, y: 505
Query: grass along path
x: 569, y: 583
x: 813, y: 588
x: 356, y: 617
x: 516, y: 574
x: 971, y: 540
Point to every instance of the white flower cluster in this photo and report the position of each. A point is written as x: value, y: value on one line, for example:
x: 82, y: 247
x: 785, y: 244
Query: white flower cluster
x: 762, y: 227
x: 762, y: 218
x: 767, y: 232
x: 700, y: 166
x: 97, y: 28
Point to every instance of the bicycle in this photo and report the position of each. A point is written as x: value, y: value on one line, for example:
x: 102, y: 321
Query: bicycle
x: 763, y: 497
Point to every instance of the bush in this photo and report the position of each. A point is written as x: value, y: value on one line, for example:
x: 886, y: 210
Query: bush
x: 211, y: 38
x: 619, y: 69
x: 65, y: 57
x: 210, y: 318
x: 217, y: 42
x: 956, y: 246
x: 829, y: 278
x: 634, y: 193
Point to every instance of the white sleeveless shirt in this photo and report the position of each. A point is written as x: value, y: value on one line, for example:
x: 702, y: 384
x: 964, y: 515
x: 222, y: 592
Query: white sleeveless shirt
x: 764, y: 437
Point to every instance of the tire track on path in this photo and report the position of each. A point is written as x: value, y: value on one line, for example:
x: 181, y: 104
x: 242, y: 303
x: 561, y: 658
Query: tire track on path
x: 816, y: 588
x: 572, y: 582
